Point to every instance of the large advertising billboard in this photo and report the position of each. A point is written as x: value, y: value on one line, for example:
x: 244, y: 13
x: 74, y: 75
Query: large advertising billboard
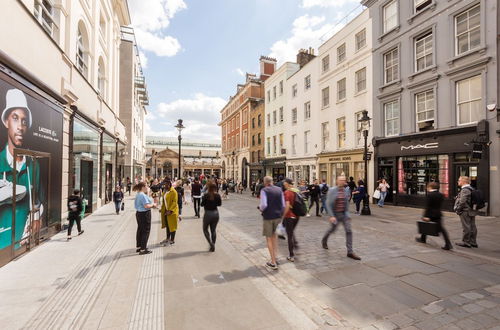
x: 28, y: 122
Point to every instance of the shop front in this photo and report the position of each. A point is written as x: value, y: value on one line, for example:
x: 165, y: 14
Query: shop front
x: 256, y: 172
x: 108, y: 168
x: 275, y: 167
x: 347, y: 163
x: 409, y: 163
x: 302, y: 169
x: 30, y: 165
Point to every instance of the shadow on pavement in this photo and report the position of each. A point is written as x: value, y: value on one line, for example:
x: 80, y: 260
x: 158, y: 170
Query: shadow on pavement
x: 234, y: 275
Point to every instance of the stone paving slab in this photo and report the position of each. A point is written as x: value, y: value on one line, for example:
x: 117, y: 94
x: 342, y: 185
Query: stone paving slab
x: 353, y: 274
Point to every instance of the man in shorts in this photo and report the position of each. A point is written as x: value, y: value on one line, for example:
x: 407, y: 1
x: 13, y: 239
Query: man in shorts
x: 272, y: 206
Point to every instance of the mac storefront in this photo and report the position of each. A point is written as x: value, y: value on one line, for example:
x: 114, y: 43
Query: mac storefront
x: 409, y: 162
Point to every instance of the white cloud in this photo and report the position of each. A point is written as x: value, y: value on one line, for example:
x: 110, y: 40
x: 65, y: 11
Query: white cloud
x: 200, y: 114
x: 240, y: 72
x: 144, y: 60
x: 156, y: 43
x: 327, y: 3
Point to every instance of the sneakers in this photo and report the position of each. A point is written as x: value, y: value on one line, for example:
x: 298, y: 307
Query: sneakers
x: 172, y: 242
x: 271, y: 266
x: 419, y: 240
x: 145, y: 252
x: 291, y: 259
x: 138, y: 250
x: 353, y: 256
x: 6, y: 191
x: 69, y: 237
x: 81, y: 232
x: 461, y: 244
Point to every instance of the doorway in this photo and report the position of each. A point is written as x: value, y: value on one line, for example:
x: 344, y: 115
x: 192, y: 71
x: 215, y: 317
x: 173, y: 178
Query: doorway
x: 108, y: 182
x: 86, y: 183
x: 387, y: 172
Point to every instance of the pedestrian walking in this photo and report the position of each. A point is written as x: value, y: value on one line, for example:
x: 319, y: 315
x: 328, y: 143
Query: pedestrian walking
x: 383, y: 187
x: 118, y: 199
x: 258, y: 188
x: 359, y: 194
x: 314, y: 194
x: 305, y: 192
x: 290, y: 220
x: 155, y: 190
x: 433, y: 204
x: 169, y: 212
x: 225, y: 189
x: 272, y: 205
x: 463, y: 207
x: 196, y: 196
x: 337, y: 205
x: 180, y: 196
x: 143, y: 204
x: 210, y: 201
x: 323, y: 188
x: 75, y: 208
x: 128, y: 185
x: 352, y: 186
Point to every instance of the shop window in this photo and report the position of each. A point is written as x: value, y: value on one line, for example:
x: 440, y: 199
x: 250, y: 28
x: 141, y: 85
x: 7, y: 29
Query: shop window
x: 467, y: 30
x: 469, y: 100
x: 323, y: 172
x: 414, y: 173
x: 424, y: 105
x: 339, y: 169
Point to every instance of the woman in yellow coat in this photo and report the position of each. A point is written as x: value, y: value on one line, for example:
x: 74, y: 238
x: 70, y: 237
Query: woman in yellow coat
x: 169, y: 212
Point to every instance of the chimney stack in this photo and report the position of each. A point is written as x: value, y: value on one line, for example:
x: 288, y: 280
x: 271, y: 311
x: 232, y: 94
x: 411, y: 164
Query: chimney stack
x: 267, y: 67
x: 304, y: 56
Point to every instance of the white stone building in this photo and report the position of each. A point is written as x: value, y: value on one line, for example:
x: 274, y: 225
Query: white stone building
x: 275, y: 127
x: 345, y: 64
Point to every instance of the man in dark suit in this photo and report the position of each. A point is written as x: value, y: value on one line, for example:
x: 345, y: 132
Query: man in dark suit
x: 433, y: 213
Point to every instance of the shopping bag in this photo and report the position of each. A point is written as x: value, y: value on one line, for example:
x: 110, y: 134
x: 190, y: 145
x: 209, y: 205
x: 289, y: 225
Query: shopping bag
x: 281, y: 231
x: 376, y: 194
x: 123, y: 206
x: 428, y: 228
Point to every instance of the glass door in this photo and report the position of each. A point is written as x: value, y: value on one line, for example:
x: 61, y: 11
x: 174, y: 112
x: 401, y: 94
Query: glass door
x: 467, y: 170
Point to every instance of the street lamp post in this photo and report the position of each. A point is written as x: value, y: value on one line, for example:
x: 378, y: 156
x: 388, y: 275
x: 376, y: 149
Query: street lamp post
x: 365, y: 126
x: 179, y: 127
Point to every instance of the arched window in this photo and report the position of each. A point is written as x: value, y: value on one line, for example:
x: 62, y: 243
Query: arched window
x: 82, y: 50
x: 101, y: 78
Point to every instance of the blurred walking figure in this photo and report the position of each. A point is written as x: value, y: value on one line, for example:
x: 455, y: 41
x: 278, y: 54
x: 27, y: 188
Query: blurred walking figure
x: 129, y: 185
x: 352, y: 186
x: 180, y: 196
x: 314, y: 193
x: 290, y: 220
x: 143, y: 204
x: 383, y: 187
x: 210, y: 201
x: 196, y: 196
x: 359, y: 194
x: 433, y: 213
x: 463, y: 207
x: 155, y: 190
x: 118, y: 199
x: 337, y: 205
x: 323, y: 188
x: 169, y: 212
x: 75, y: 208
x: 272, y: 205
x: 225, y: 188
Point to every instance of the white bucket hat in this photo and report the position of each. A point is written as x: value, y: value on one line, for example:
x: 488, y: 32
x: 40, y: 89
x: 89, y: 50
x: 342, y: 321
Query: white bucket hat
x: 15, y: 99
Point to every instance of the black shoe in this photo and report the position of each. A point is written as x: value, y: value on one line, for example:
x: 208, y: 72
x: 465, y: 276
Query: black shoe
x: 282, y: 237
x: 419, y: 240
x: 212, y: 248
x: 145, y: 252
x: 447, y: 247
x: 353, y: 256
x: 81, y: 232
x: 324, y: 245
x: 272, y: 266
x: 138, y: 250
x: 474, y: 246
x: 465, y: 245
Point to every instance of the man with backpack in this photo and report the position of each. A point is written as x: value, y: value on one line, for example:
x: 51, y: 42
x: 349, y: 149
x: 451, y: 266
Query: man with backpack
x: 323, y: 189
x: 467, y: 202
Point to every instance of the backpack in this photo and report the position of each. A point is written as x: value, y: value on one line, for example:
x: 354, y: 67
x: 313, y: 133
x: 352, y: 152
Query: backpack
x: 324, y: 189
x: 477, y: 201
x: 299, y: 207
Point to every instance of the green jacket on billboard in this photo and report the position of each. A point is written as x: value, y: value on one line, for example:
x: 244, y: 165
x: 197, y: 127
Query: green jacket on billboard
x: 25, y: 178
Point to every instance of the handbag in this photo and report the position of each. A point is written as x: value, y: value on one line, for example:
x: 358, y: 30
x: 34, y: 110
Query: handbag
x: 376, y: 194
x: 123, y: 206
x: 428, y: 228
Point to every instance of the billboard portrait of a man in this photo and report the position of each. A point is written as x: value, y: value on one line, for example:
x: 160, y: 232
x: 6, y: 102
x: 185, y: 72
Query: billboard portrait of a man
x: 16, y: 122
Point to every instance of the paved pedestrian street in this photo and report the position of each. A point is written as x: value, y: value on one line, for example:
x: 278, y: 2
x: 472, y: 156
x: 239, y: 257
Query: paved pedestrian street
x: 97, y: 281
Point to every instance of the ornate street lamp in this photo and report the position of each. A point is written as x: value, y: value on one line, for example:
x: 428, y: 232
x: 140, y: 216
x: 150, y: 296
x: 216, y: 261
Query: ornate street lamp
x: 365, y: 127
x: 179, y: 127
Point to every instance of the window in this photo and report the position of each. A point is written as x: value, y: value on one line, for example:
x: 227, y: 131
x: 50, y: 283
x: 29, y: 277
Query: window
x: 325, y: 136
x: 341, y: 53
x: 307, y: 82
x: 245, y: 138
x: 294, y: 115
x: 391, y: 66
x: 268, y: 145
x: 307, y: 110
x: 420, y: 5
x: 306, y: 141
x: 467, y: 30
x: 281, y: 87
x: 294, y: 90
x: 294, y: 142
x: 417, y: 171
x: 469, y: 100
x: 391, y: 115
x: 423, y: 52
x: 424, y: 105
x: 44, y: 13
x: 101, y: 78
x: 253, y: 122
x: 360, y: 39
x: 325, y: 63
x: 281, y: 114
x: 341, y: 89
x: 282, y: 144
x: 390, y: 16
x: 274, y: 93
x: 359, y: 128
x: 259, y: 139
x: 81, y: 52
x: 360, y: 77
x: 274, y: 145
x: 274, y: 117
x: 253, y: 140
x: 268, y: 119
x: 268, y: 96
x: 259, y: 120
x: 325, y: 97
x: 341, y: 132
x: 237, y: 140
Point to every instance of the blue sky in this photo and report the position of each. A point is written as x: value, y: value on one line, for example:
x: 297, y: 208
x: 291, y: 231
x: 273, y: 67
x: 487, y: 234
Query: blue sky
x: 194, y: 52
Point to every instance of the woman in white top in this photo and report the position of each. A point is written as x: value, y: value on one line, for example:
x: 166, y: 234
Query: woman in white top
x: 383, y: 187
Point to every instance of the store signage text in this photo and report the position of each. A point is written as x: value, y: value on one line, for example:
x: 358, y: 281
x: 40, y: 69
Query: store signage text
x: 431, y: 145
x: 339, y: 158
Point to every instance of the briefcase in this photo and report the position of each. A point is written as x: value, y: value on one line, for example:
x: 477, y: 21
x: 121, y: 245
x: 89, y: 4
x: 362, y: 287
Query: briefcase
x: 428, y: 228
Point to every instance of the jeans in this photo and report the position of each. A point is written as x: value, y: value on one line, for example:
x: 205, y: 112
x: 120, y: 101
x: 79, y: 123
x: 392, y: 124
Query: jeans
x: 118, y: 204
x: 170, y: 234
x: 323, y: 203
x: 72, y: 220
x: 210, y: 219
x: 469, y: 228
x: 442, y: 230
x: 357, y: 202
x: 196, y: 204
x: 315, y: 200
x: 143, y: 229
x: 347, y: 227
x: 290, y: 224
x: 383, y: 194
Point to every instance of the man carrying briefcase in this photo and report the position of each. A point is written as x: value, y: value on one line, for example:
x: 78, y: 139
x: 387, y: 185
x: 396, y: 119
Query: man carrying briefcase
x: 433, y: 214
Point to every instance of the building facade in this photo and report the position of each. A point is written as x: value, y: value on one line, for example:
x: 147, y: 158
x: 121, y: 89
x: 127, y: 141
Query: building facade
x: 435, y: 107
x: 256, y: 143
x: 133, y: 102
x: 301, y: 119
x: 344, y: 92
x: 235, y: 117
x: 60, y: 68
x: 275, y: 107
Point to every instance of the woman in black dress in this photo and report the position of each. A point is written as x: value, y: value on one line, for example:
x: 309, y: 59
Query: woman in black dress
x: 210, y: 201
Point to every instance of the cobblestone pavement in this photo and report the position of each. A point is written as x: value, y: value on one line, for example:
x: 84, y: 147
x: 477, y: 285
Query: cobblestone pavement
x: 399, y: 284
